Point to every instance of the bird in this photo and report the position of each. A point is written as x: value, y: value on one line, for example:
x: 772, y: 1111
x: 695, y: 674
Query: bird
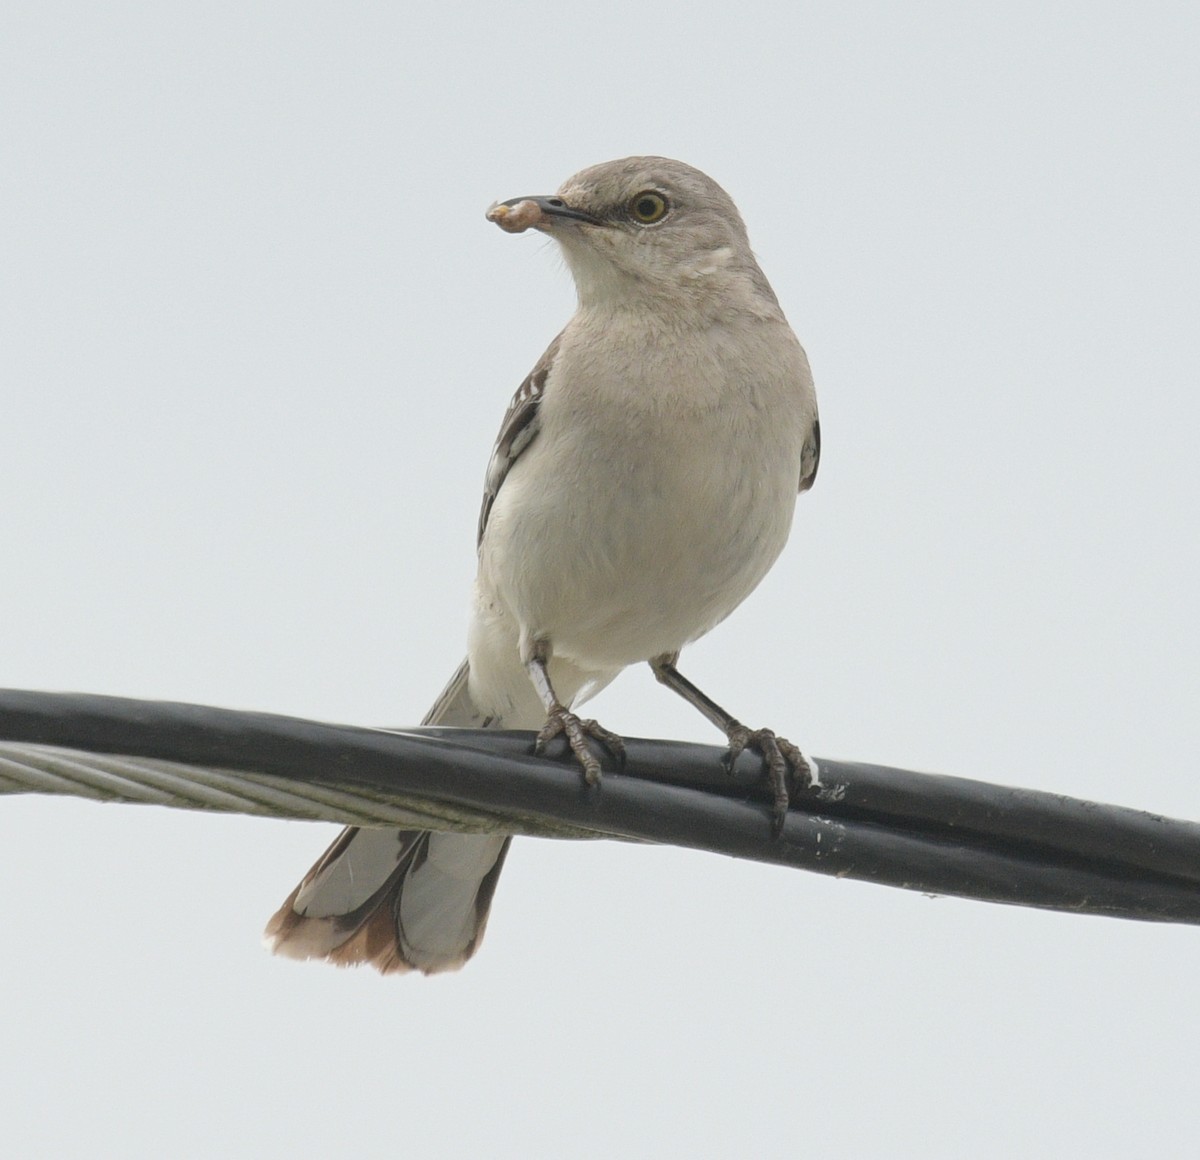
x: 642, y: 484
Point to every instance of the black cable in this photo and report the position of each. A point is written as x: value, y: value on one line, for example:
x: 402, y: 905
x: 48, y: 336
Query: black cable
x: 941, y: 835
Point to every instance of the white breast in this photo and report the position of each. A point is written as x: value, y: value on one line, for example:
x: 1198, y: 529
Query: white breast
x: 653, y: 500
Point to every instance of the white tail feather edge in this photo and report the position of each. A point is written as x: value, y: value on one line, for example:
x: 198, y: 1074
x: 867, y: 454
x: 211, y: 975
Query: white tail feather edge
x: 397, y: 899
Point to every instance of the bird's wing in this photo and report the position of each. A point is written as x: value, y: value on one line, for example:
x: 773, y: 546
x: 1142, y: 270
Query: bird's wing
x: 517, y: 431
x: 810, y: 456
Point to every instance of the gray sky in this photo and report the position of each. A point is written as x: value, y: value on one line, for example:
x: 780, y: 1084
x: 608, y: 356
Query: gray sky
x: 255, y: 340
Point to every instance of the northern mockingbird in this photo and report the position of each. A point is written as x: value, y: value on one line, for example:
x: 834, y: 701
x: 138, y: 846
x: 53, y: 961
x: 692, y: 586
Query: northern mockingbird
x: 642, y: 484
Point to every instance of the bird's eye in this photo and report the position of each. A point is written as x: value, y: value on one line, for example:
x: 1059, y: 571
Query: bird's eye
x: 648, y: 207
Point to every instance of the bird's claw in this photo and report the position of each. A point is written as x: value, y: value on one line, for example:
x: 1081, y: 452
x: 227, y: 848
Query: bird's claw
x: 782, y: 760
x: 563, y: 721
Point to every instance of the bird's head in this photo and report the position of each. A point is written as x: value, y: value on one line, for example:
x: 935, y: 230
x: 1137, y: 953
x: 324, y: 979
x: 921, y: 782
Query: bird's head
x: 646, y: 228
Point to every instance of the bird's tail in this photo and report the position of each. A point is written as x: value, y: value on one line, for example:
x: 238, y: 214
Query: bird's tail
x: 397, y: 899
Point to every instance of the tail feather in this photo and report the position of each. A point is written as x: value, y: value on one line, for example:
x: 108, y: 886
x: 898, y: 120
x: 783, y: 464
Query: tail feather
x: 397, y: 899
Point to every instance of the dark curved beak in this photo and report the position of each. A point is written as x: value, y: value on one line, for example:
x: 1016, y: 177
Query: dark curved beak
x: 555, y: 207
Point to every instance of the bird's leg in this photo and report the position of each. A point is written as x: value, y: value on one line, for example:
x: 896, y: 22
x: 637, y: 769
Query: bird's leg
x: 779, y: 755
x: 560, y: 719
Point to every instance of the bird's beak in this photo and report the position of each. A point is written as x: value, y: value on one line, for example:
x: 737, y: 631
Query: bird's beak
x: 522, y: 213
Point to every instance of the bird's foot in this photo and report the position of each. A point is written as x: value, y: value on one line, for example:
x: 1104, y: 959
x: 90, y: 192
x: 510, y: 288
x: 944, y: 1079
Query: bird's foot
x: 783, y: 763
x: 563, y: 721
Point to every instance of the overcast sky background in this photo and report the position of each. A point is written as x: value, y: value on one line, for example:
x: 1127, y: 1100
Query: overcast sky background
x: 255, y: 341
